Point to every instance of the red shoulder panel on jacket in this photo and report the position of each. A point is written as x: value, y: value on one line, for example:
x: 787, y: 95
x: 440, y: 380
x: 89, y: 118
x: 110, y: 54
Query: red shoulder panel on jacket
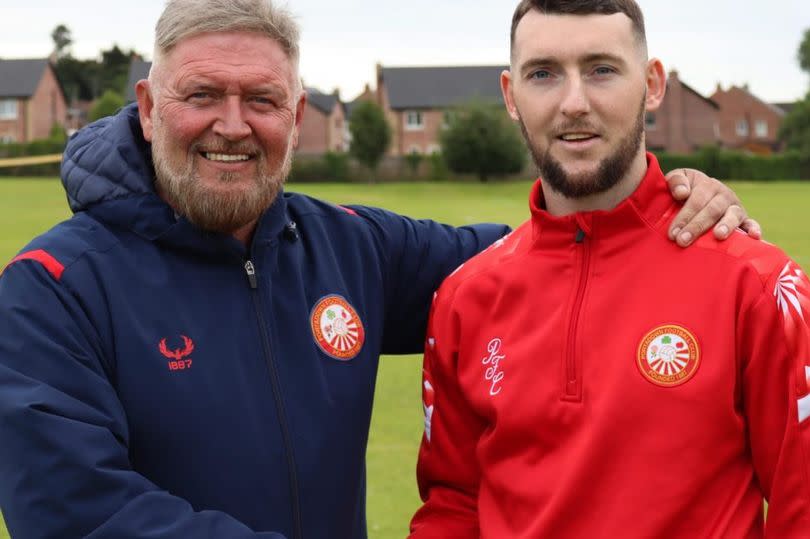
x: 51, y: 264
x: 348, y: 210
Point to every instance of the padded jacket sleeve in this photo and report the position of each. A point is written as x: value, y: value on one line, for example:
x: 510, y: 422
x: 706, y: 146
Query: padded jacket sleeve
x: 64, y: 466
x: 774, y: 343
x: 447, y: 470
x: 418, y: 255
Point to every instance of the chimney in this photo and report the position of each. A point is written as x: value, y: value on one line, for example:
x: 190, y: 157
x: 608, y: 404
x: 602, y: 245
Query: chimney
x: 380, y: 85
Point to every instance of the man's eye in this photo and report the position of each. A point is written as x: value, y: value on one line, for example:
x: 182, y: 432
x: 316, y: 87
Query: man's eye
x: 604, y: 70
x: 200, y: 96
x: 540, y: 74
x: 260, y: 100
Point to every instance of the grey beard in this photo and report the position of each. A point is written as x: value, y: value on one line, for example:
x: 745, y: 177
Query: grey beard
x: 209, y: 209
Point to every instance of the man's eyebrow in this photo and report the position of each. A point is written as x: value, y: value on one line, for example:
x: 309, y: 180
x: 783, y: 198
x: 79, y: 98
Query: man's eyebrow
x: 552, y: 61
x: 539, y: 61
x: 603, y: 57
x: 267, y: 89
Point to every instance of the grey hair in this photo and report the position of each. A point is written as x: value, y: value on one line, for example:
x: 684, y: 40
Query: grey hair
x: 186, y: 18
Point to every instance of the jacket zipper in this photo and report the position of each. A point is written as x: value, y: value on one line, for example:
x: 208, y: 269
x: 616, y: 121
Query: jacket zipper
x: 573, y: 379
x: 253, y: 282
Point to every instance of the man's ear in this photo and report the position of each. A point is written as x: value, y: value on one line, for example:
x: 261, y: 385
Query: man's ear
x: 146, y: 102
x: 656, y: 84
x: 300, y: 107
x: 508, y: 98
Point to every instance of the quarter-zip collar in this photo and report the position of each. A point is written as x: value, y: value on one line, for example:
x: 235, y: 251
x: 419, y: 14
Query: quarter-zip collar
x: 650, y: 205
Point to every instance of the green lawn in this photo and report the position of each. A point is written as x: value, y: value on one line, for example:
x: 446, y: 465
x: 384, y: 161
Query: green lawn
x: 28, y: 207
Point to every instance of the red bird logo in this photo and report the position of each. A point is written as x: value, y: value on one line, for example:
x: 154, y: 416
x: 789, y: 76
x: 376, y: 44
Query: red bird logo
x: 177, y: 353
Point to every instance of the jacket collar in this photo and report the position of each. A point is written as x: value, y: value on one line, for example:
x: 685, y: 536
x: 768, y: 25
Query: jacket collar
x: 651, y: 205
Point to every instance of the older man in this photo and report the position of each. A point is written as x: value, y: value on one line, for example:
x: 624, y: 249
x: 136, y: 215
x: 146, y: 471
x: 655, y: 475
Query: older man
x: 572, y: 389
x: 193, y: 354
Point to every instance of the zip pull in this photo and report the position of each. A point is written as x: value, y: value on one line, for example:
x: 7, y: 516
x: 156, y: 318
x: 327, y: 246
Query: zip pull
x: 250, y: 269
x: 580, y: 236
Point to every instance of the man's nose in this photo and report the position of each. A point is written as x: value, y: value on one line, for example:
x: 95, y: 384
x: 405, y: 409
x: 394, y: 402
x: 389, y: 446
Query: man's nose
x: 575, y: 101
x: 231, y: 124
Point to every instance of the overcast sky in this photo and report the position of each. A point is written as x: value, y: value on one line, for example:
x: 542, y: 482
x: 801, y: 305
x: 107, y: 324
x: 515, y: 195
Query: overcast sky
x: 707, y: 41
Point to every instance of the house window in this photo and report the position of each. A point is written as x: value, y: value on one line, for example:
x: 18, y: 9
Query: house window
x: 650, y: 121
x: 761, y: 128
x: 8, y: 109
x: 742, y: 128
x: 448, y: 118
x: 7, y: 139
x: 434, y: 149
x: 414, y: 121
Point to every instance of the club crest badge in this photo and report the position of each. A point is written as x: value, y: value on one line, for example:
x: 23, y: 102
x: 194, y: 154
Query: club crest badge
x: 337, y: 328
x: 668, y: 356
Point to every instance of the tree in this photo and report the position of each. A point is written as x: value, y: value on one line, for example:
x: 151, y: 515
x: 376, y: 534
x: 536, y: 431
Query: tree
x: 78, y: 77
x: 371, y: 134
x: 481, y: 140
x: 795, y: 129
x: 114, y: 69
x: 62, y: 39
x: 796, y: 126
x: 804, y: 52
x: 107, y: 105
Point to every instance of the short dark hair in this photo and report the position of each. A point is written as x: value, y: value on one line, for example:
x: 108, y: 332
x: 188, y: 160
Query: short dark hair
x: 582, y: 7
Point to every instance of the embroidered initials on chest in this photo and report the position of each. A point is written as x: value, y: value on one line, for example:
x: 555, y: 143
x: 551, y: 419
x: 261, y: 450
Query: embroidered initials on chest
x: 494, y: 373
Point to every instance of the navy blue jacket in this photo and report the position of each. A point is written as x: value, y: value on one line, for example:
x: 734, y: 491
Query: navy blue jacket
x: 161, y: 381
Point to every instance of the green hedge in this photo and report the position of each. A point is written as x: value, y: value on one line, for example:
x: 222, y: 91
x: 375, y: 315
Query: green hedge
x: 734, y: 165
x: 330, y: 167
x: 32, y: 149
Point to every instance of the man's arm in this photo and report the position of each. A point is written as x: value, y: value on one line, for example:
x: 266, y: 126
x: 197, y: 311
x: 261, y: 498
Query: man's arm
x: 774, y: 343
x: 447, y: 470
x: 708, y: 203
x: 64, y: 462
x: 418, y: 255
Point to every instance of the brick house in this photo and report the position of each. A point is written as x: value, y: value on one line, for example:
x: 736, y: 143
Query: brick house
x: 417, y: 99
x: 323, y: 128
x: 747, y: 122
x: 31, y: 100
x: 685, y: 121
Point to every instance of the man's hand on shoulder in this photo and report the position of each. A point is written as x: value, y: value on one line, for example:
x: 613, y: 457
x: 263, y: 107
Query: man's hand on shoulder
x: 709, y: 203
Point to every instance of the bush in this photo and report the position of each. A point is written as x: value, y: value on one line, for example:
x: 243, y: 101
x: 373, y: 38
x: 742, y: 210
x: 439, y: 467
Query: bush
x: 735, y: 165
x: 107, y: 105
x: 32, y: 149
x: 330, y: 167
x: 337, y: 166
x: 480, y: 140
x: 413, y: 160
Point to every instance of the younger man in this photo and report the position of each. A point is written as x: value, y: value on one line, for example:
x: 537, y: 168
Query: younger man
x: 571, y: 390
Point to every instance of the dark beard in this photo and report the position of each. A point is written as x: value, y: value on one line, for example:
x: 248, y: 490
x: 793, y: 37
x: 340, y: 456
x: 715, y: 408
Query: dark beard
x: 610, y: 171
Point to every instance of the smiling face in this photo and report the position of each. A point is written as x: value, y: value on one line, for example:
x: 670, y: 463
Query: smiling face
x: 222, y: 111
x: 579, y: 87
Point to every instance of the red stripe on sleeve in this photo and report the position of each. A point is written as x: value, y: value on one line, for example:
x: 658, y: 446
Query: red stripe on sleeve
x: 51, y: 264
x: 348, y: 210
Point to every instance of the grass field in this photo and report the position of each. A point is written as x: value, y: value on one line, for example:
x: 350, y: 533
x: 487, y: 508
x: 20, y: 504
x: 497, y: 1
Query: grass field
x: 28, y: 207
